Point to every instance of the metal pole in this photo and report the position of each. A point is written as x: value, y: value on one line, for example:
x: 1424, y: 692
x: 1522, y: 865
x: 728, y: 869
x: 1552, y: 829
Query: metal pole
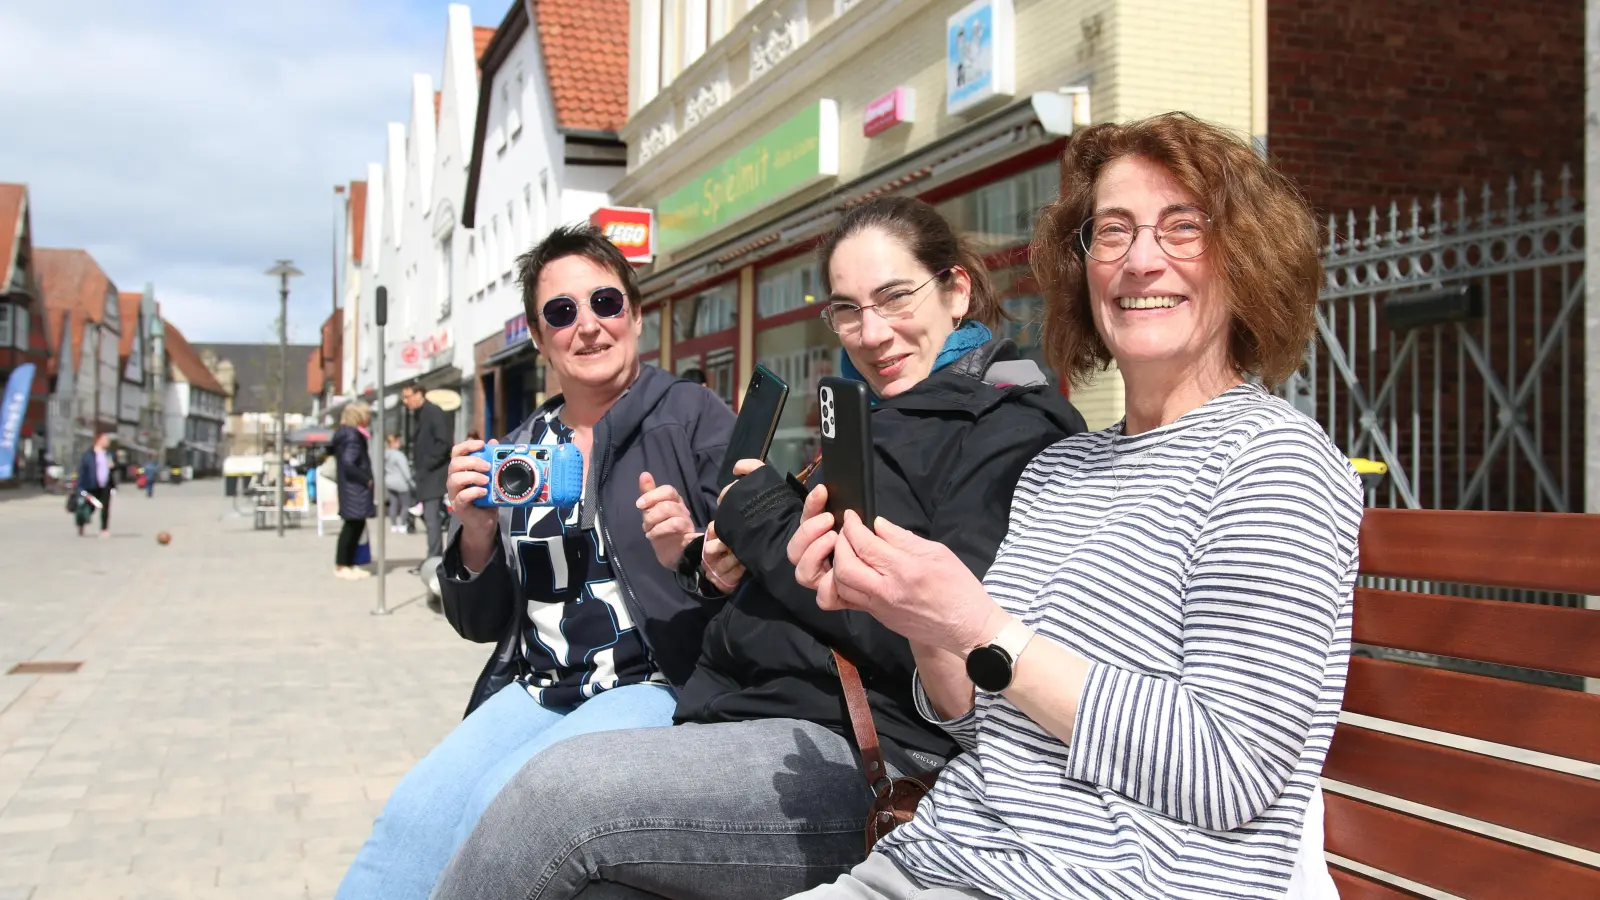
x: 333, y: 323
x: 284, y: 270
x: 283, y: 384
x: 382, y: 319
x: 1591, y: 276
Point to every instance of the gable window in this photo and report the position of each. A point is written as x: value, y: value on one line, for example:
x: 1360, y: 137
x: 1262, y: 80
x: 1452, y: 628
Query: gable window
x: 7, y: 317
x: 446, y: 276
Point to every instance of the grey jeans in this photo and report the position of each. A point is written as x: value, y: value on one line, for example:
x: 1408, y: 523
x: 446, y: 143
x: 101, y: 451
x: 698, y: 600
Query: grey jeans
x: 880, y: 878
x: 739, y: 811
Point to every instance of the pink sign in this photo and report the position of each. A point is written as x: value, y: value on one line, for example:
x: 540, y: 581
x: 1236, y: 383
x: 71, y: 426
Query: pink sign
x: 884, y: 113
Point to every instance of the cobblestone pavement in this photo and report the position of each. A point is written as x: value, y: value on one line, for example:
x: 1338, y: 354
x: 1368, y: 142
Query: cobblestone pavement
x: 239, y: 718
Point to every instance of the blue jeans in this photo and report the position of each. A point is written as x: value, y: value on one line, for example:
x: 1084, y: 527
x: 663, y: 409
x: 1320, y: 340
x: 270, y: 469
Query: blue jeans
x: 734, y: 811
x: 435, y: 806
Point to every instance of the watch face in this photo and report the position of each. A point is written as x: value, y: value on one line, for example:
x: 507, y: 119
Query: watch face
x: 989, y: 668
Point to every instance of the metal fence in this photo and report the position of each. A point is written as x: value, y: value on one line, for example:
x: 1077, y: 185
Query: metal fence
x: 1482, y: 408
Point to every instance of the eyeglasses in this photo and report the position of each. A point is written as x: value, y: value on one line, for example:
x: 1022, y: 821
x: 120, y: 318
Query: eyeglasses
x: 847, y: 317
x: 604, y: 302
x: 1180, y: 233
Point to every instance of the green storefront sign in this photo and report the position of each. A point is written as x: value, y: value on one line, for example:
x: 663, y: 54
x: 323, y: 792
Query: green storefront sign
x: 782, y: 161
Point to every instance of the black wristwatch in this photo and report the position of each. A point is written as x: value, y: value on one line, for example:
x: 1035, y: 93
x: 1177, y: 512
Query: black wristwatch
x: 992, y: 666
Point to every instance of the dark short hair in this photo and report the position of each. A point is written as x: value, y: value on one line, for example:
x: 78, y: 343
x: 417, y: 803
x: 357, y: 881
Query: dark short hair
x: 583, y: 240
x: 414, y: 386
x: 1264, y: 251
x: 930, y: 238
x: 698, y: 376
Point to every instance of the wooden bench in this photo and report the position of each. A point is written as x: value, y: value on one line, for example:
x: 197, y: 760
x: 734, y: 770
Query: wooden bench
x: 1555, y: 852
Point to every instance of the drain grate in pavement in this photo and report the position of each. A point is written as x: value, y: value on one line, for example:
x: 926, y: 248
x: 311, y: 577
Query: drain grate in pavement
x: 45, y: 667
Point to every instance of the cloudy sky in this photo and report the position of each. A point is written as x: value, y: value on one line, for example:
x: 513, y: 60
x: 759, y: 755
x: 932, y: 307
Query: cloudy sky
x: 191, y: 143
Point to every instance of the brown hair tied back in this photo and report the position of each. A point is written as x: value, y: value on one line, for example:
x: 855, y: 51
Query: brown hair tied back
x: 929, y: 238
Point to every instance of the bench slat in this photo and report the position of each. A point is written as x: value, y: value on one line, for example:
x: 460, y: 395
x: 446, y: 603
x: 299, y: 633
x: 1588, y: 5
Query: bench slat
x: 1538, y: 551
x: 1355, y: 886
x: 1554, y: 805
x: 1553, y: 638
x: 1549, y: 720
x: 1449, y: 859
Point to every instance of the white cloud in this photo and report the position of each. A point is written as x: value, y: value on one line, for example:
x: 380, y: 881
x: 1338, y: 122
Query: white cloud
x: 192, y: 144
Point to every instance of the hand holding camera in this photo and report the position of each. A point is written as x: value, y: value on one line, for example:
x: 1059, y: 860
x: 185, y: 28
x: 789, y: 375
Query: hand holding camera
x: 466, y: 481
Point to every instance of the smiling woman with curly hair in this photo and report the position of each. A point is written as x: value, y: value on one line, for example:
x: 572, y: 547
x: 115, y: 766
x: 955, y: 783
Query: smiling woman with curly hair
x: 1146, y: 681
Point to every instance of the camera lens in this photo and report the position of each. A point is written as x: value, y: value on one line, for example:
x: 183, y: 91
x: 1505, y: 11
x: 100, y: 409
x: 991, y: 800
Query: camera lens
x: 515, y: 479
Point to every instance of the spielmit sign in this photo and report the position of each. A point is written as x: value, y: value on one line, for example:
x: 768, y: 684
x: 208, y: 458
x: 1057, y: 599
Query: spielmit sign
x: 794, y: 155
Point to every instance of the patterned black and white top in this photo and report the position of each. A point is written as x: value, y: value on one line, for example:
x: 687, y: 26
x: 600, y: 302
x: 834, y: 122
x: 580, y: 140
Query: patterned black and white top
x: 1206, y: 570
x: 580, y: 638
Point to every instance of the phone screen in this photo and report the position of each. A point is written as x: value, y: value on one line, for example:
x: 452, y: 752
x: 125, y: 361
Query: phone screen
x: 758, y: 421
x: 847, y: 454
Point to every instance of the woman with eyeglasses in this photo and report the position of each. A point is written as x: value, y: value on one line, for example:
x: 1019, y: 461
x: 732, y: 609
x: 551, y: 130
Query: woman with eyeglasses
x: 1146, y: 681
x: 758, y: 793
x: 592, y: 633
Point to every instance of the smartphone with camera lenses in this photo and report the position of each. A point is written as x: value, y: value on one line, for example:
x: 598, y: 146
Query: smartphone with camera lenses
x: 757, y: 422
x: 847, y: 455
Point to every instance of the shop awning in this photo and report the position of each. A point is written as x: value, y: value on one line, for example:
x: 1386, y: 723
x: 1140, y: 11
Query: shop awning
x: 310, y: 437
x: 515, y: 351
x: 1034, y: 121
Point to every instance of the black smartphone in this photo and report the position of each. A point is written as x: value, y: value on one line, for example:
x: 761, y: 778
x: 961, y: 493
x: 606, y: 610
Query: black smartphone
x: 757, y: 422
x: 847, y: 448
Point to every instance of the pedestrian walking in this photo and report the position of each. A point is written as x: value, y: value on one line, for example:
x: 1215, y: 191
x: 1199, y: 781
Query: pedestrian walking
x: 431, y: 454
x: 150, y: 478
x: 355, y: 487
x: 97, y: 476
x: 397, y: 479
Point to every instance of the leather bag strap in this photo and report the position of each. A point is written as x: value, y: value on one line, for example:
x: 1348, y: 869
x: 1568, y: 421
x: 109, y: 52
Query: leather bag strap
x: 866, y: 731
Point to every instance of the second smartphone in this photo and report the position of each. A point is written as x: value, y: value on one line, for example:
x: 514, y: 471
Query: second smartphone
x: 757, y: 422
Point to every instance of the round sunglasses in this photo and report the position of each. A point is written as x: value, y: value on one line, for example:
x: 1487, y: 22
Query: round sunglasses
x: 604, y: 302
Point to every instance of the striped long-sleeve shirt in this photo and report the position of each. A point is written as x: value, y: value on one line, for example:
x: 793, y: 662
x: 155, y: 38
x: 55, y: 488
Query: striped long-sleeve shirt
x: 1205, y: 569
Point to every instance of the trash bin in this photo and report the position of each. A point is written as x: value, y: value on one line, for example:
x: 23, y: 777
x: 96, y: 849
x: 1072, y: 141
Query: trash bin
x: 1371, y: 472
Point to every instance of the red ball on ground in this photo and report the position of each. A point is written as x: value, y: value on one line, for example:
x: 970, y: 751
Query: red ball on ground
x: 163, y: 538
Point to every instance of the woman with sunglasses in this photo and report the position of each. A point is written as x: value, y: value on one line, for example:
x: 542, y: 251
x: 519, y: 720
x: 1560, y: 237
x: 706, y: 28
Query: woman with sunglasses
x: 759, y: 793
x: 593, y: 634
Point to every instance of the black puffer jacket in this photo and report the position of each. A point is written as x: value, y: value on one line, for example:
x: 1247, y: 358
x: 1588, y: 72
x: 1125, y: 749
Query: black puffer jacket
x: 949, y: 454
x: 676, y: 431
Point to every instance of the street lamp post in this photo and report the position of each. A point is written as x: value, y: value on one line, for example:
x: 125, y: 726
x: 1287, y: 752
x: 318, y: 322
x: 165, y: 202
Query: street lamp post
x: 381, y: 319
x: 284, y: 270
x: 331, y: 353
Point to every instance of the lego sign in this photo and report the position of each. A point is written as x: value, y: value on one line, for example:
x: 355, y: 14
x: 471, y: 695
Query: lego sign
x: 632, y: 230
x: 421, y: 353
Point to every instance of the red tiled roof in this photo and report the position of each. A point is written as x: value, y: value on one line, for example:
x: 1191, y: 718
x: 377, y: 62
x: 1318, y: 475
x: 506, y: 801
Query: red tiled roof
x: 331, y: 347
x: 187, y: 362
x: 11, y: 197
x: 437, y: 102
x: 72, y: 283
x: 481, y: 36
x: 314, y: 373
x: 130, y: 313
x: 358, y: 219
x: 585, y: 45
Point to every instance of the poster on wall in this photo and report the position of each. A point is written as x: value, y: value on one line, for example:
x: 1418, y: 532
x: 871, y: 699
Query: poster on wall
x: 979, y: 49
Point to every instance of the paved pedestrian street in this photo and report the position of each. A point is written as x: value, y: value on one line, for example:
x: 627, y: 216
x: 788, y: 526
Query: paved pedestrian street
x: 239, y: 716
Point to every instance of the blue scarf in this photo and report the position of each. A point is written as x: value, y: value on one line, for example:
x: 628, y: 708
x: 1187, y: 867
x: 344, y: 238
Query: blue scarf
x: 968, y: 337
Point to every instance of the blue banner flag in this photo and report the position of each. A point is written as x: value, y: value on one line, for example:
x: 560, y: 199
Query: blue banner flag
x: 13, y: 408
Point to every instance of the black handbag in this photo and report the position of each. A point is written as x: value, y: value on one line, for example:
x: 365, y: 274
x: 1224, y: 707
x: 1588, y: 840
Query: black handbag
x: 72, y: 502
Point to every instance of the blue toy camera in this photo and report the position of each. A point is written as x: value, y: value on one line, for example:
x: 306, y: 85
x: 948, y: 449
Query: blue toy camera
x: 532, y: 475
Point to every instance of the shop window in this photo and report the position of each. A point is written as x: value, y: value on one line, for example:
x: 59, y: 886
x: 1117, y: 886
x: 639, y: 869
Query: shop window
x: 708, y: 312
x: 7, y: 315
x: 719, y: 368
x: 800, y: 353
x: 788, y: 285
x: 650, y: 333
x: 1019, y: 295
x: 1003, y: 214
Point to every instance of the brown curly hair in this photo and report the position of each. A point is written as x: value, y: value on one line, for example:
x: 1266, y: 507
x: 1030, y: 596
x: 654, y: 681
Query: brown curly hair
x: 1263, y: 248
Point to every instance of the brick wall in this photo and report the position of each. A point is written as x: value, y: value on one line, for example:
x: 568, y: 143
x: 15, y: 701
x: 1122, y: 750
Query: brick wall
x: 1375, y: 100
